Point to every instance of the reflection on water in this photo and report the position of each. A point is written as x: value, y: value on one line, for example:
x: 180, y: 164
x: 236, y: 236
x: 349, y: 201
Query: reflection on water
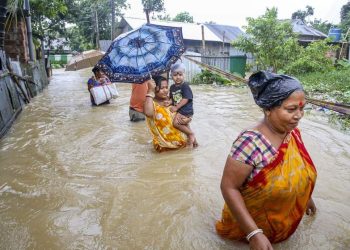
x: 80, y: 177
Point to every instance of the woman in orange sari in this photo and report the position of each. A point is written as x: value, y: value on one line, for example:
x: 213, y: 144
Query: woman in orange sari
x: 160, y: 118
x: 269, y: 176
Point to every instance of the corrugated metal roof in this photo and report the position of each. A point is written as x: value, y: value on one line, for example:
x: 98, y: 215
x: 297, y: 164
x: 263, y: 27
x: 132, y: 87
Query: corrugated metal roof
x: 190, y: 31
x: 226, y: 33
x: 301, y: 28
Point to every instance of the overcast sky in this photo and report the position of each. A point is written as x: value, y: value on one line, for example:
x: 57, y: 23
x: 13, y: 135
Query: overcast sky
x: 231, y: 12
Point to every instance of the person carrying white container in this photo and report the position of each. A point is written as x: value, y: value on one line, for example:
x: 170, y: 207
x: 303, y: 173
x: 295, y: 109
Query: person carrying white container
x: 100, y: 87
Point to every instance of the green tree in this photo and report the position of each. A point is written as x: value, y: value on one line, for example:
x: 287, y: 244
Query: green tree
x: 271, y: 41
x: 151, y: 6
x: 183, y: 17
x: 87, y: 15
x: 345, y: 17
x: 320, y: 25
x: 344, y: 12
x: 48, y: 18
x: 302, y: 14
x: 165, y: 17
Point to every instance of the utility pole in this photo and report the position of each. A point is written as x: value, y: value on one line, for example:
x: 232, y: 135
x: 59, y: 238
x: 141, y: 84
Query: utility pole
x: 29, y: 30
x: 203, y: 41
x: 147, y: 10
x: 147, y: 14
x: 113, y: 19
x: 97, y: 31
x: 223, y: 43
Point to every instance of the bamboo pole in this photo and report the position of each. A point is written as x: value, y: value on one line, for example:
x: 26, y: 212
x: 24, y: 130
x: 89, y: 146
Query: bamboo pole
x: 23, y: 92
x: 29, y: 30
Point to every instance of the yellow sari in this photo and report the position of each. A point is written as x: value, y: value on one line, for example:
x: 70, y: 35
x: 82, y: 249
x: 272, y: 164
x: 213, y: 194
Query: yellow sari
x: 165, y: 136
x: 277, y: 196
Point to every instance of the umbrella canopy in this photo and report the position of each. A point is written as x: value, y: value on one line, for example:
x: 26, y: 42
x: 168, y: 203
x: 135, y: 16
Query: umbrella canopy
x: 84, y: 60
x: 149, y: 50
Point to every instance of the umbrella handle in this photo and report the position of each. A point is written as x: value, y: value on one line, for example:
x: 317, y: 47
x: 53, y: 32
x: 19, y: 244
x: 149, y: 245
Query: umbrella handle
x: 150, y: 75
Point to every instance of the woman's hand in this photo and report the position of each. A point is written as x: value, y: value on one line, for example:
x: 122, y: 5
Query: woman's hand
x: 311, y: 207
x: 173, y: 109
x: 260, y: 242
x: 151, y: 86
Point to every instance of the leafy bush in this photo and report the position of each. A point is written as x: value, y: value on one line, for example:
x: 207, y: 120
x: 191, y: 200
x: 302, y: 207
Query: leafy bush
x: 342, y: 63
x: 58, y: 62
x: 57, y: 66
x: 275, y: 47
x: 207, y: 77
x: 332, y: 85
x: 311, y: 59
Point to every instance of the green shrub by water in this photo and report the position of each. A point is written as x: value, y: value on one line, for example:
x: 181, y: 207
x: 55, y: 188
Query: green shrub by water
x: 330, y: 86
x: 207, y: 77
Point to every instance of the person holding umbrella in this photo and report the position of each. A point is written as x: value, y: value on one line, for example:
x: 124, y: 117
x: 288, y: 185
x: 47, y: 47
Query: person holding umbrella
x: 160, y: 118
x: 139, y: 54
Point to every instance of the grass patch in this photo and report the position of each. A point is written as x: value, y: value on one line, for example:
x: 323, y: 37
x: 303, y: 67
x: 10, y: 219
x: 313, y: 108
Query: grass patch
x: 331, y: 86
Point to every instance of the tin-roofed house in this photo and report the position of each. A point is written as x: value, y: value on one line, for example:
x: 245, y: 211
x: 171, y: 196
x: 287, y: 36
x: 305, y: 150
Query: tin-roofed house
x: 306, y: 34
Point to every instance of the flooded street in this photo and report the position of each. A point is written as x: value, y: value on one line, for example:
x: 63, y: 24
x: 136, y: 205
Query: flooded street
x: 73, y: 176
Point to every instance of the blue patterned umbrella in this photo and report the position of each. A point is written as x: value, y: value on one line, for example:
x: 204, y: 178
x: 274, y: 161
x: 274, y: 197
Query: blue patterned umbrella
x: 136, y: 55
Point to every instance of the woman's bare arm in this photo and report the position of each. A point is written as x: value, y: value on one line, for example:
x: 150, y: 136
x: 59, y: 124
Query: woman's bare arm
x: 148, y: 108
x: 235, y: 174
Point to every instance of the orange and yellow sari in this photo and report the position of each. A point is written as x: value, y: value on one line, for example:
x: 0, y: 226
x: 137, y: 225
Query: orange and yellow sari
x: 277, y: 196
x: 165, y: 136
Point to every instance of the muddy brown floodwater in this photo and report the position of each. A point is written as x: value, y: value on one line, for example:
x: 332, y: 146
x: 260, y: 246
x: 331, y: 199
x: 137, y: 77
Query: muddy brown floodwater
x: 74, y: 176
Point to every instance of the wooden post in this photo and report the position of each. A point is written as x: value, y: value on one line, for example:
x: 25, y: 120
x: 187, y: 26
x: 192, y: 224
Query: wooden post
x: 97, y: 31
x: 223, y: 43
x: 113, y: 19
x: 29, y: 30
x: 343, y: 42
x: 203, y: 40
x: 147, y: 14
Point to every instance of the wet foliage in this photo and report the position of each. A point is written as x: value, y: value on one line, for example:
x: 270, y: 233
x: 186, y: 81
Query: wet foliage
x: 330, y: 86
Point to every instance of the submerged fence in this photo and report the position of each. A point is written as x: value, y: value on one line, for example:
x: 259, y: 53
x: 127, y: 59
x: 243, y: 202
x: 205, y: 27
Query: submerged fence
x: 18, y: 84
x: 230, y: 64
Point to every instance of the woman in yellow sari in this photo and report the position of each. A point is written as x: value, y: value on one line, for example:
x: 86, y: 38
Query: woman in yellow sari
x: 269, y: 176
x: 160, y: 118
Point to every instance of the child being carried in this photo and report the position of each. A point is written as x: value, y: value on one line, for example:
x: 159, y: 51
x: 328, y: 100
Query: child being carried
x: 182, y: 101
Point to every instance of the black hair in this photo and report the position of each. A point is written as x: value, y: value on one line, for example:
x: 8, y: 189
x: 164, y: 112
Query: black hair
x: 95, y: 70
x: 158, y: 80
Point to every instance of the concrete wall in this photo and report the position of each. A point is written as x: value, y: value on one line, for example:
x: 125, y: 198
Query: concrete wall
x: 13, y: 96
